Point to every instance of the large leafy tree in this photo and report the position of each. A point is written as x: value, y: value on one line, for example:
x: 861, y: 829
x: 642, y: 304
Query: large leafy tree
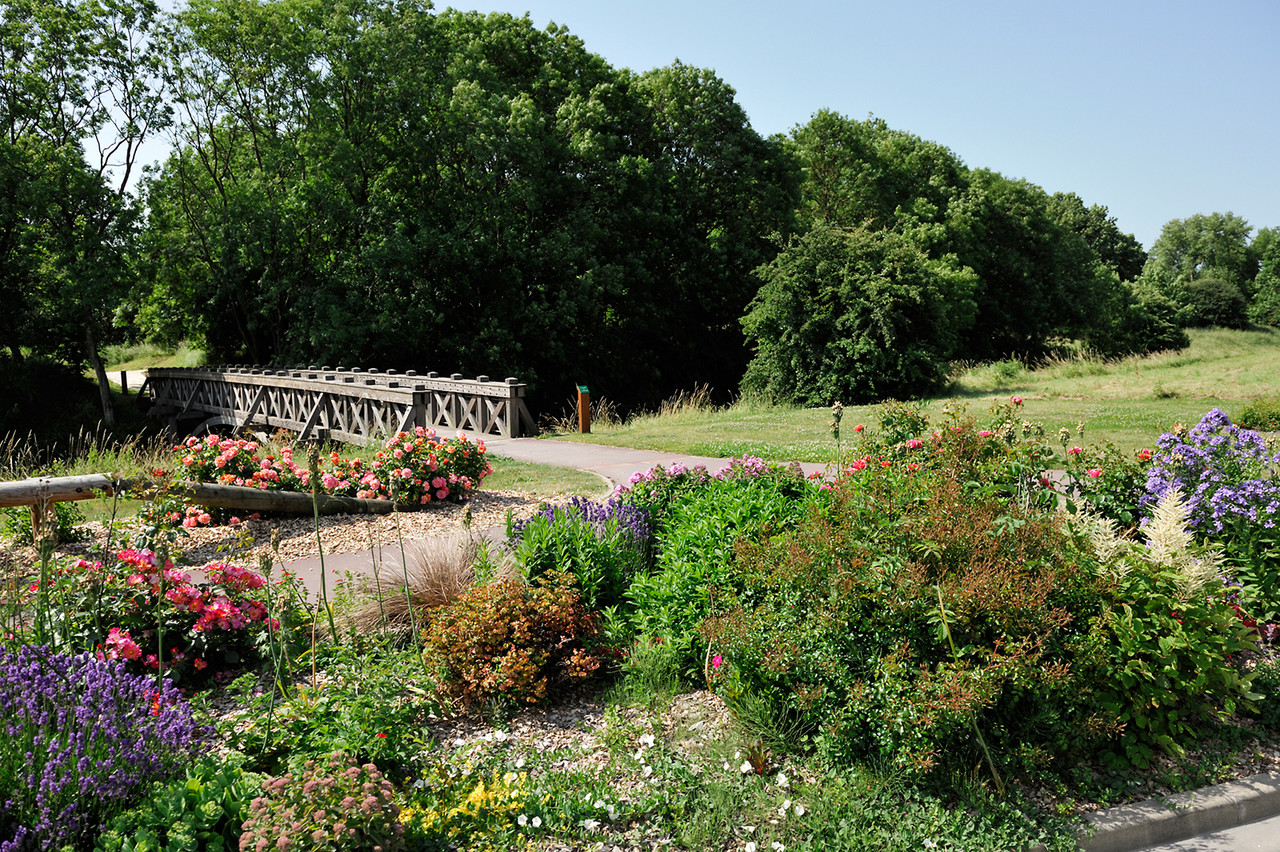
x: 856, y: 316
x: 78, y: 95
x: 1118, y: 251
x: 1205, y: 265
x: 376, y: 183
x: 1039, y: 263
x: 1214, y: 245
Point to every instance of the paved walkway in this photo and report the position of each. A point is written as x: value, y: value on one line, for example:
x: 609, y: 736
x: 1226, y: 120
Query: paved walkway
x: 616, y: 464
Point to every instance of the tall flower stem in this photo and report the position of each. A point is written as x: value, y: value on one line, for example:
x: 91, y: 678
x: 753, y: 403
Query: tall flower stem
x: 314, y: 458
x: 942, y: 613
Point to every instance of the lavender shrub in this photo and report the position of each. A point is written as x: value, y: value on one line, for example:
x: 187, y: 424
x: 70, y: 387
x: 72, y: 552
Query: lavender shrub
x: 603, y: 545
x: 81, y: 740
x: 1228, y: 477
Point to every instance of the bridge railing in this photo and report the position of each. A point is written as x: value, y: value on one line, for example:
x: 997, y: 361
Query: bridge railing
x: 350, y: 405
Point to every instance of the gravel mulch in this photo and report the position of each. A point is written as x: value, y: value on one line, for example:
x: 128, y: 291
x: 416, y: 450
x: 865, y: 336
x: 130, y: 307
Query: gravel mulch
x: 248, y: 541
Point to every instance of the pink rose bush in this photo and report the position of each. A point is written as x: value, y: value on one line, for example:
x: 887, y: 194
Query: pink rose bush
x: 124, y: 609
x: 413, y: 468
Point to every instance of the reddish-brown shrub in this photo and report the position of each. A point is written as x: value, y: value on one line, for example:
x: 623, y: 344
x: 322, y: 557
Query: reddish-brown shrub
x: 508, y: 640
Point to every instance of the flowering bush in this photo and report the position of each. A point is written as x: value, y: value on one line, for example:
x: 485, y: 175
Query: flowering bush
x: 1231, y: 483
x: 1227, y: 475
x: 603, y: 545
x: 118, y: 610
x: 1171, y: 643
x: 1108, y: 481
x: 412, y: 468
x: 330, y: 806
x: 514, y: 642
x: 463, y: 809
x: 82, y: 738
x: 842, y: 632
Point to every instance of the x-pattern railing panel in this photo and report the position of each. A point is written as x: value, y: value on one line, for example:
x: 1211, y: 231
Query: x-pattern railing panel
x: 347, y: 405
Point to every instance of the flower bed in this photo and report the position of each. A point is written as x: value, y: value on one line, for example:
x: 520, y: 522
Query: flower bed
x: 964, y: 612
x: 413, y: 469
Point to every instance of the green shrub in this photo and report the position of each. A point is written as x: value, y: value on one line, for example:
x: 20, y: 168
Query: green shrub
x: 696, y: 546
x: 1261, y: 415
x: 1171, y: 640
x: 364, y: 708
x: 512, y: 642
x: 1266, y: 683
x: 604, y: 546
x: 1108, y: 481
x: 858, y: 316
x: 336, y: 805
x: 202, y: 811
x: 1213, y: 302
x: 15, y: 523
x: 844, y: 627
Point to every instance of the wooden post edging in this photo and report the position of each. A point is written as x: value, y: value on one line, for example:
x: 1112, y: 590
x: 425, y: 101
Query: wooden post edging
x: 60, y: 489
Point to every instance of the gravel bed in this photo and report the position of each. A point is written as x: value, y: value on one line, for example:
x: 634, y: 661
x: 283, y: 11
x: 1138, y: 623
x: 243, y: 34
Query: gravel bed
x: 246, y: 542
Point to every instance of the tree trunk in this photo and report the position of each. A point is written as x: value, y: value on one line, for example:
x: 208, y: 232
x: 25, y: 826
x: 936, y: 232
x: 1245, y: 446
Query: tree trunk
x: 100, y: 371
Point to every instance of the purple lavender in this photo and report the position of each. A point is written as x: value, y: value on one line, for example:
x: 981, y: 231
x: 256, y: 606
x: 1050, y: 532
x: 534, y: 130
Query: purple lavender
x: 80, y: 738
x: 629, y: 521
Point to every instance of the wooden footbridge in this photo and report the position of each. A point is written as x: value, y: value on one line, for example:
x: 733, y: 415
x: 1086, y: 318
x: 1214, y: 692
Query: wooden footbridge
x: 349, y: 405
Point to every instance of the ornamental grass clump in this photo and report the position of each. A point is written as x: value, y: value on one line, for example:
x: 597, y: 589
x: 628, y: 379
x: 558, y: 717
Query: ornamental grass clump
x: 82, y: 740
x: 337, y: 805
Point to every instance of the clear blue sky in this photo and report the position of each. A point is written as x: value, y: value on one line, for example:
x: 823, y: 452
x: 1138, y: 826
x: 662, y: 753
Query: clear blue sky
x: 1157, y: 110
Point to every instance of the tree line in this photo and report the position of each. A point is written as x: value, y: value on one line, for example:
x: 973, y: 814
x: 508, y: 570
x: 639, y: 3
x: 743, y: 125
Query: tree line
x: 378, y: 183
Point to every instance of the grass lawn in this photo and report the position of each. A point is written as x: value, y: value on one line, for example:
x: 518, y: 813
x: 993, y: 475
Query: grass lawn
x: 1127, y: 402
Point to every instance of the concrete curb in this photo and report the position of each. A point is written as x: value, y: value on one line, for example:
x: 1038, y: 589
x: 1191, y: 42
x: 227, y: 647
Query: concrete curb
x: 1181, y: 816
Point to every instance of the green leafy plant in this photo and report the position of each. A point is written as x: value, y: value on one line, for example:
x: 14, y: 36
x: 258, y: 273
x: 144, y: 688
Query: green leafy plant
x: 1266, y: 683
x: 370, y: 705
x: 696, y: 546
x: 1171, y: 642
x: 1107, y: 481
x: 453, y: 807
x: 603, y: 545
x: 1262, y: 415
x: 15, y: 523
x: 333, y: 805
x: 201, y: 811
x: 834, y: 635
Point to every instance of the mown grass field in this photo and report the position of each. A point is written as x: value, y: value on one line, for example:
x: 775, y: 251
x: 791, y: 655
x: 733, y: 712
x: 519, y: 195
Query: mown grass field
x: 1128, y: 402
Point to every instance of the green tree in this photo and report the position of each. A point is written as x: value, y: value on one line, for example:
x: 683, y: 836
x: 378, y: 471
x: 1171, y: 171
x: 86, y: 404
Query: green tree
x: 856, y: 316
x: 1265, y: 307
x: 374, y: 183
x: 1212, y: 247
x: 1038, y: 279
x: 865, y: 173
x: 1119, y: 252
x: 78, y: 95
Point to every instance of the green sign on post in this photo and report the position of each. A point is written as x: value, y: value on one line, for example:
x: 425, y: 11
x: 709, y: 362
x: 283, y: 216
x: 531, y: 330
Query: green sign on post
x: 584, y: 409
